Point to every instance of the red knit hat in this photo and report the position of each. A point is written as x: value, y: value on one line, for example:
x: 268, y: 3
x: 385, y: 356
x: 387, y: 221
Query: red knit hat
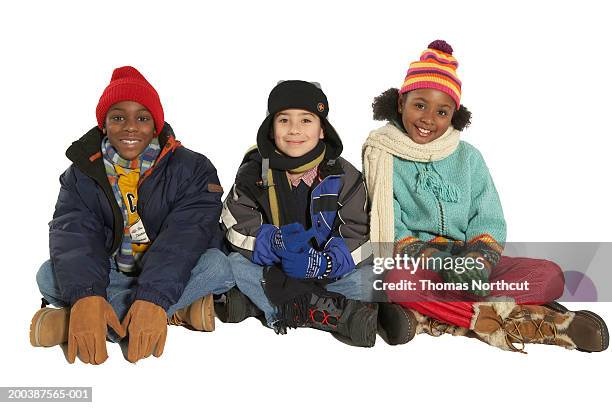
x: 127, y: 84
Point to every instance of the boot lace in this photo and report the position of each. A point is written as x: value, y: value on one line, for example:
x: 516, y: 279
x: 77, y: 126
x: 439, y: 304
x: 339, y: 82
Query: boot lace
x: 511, y: 326
x: 438, y: 328
x: 175, y: 321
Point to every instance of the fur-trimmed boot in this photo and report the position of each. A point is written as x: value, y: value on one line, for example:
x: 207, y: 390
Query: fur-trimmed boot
x: 436, y: 328
x: 350, y: 321
x: 504, y: 324
x: 199, y: 316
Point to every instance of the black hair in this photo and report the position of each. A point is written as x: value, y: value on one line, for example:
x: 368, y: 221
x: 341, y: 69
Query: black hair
x: 385, y: 108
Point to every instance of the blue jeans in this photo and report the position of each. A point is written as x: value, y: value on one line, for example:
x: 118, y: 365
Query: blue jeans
x: 356, y: 285
x: 212, y: 274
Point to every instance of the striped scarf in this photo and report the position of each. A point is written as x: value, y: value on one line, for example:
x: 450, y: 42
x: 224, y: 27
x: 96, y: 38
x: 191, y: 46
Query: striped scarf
x: 125, y: 256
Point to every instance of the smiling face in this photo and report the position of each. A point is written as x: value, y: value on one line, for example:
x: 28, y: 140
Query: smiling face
x: 130, y: 128
x: 426, y: 114
x: 296, y: 131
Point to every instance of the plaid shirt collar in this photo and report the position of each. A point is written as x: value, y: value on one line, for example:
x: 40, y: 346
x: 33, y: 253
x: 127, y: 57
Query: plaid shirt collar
x: 308, y: 177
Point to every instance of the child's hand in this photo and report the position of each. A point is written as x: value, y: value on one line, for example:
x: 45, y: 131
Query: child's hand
x: 467, y: 273
x: 292, y: 237
x: 306, y: 264
x: 436, y: 260
x: 89, y: 317
x: 147, y: 326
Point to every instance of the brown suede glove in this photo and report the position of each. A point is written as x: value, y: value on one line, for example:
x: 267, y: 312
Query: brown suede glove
x: 89, y: 317
x: 147, y: 326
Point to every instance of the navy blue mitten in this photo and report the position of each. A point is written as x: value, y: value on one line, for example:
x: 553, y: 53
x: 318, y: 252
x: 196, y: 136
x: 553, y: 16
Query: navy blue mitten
x: 291, y: 237
x: 306, y: 264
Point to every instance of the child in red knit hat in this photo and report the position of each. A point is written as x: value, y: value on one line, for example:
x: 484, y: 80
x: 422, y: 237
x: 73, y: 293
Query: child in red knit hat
x: 433, y: 199
x: 134, y: 235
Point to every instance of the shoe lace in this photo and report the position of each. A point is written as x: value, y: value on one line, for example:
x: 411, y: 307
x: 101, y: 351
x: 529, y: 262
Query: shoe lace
x: 438, y: 328
x: 511, y: 326
x: 174, y: 320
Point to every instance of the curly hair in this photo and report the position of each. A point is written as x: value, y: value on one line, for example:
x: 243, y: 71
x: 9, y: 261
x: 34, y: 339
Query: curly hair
x: 385, y: 108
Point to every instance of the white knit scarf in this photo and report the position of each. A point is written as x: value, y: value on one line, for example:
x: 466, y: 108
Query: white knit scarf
x: 378, y: 151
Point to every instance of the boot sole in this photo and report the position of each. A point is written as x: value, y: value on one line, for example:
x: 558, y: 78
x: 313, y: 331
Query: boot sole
x: 605, y: 336
x: 208, y: 314
x: 396, y: 325
x: 365, y: 337
x: 35, y: 325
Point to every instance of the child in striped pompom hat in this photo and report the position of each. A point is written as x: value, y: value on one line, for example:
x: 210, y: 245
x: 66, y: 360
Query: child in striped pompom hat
x: 436, y: 69
x: 446, y: 212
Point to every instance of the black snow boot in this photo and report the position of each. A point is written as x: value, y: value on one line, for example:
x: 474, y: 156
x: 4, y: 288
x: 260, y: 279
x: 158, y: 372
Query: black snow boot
x: 234, y: 306
x: 350, y: 321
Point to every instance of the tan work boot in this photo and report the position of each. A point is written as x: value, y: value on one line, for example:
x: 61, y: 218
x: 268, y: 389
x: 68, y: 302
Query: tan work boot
x: 200, y: 315
x: 49, y: 327
x: 503, y: 324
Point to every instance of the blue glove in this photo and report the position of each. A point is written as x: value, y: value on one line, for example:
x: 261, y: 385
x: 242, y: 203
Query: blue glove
x: 291, y: 237
x: 306, y: 264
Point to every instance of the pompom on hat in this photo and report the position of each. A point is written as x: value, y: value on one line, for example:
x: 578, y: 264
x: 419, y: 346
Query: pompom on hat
x: 436, y: 69
x: 127, y: 84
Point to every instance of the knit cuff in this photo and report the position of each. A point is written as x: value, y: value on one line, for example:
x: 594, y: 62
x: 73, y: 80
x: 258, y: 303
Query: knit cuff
x: 85, y: 292
x: 329, y: 267
x: 414, y: 247
x: 410, y: 246
x: 484, y: 246
x: 153, y: 296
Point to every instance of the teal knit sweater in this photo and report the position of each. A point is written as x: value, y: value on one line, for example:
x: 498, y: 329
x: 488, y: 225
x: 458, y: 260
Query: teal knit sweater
x: 454, y: 198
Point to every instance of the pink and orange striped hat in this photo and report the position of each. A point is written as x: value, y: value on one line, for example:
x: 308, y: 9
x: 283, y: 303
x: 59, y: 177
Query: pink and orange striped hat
x: 436, y: 69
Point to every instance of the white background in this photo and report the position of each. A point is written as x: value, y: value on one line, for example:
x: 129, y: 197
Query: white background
x: 535, y: 76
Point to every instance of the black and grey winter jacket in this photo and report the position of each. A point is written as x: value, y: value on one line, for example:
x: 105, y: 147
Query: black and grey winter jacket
x: 338, y: 212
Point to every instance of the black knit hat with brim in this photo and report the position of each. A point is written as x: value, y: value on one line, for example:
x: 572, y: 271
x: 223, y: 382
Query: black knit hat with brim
x: 298, y: 95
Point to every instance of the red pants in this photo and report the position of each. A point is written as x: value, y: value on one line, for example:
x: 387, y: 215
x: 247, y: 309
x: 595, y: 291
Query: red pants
x: 544, y: 284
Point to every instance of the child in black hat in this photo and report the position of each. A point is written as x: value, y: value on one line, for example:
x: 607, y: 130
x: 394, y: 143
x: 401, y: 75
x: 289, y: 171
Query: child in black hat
x: 297, y: 220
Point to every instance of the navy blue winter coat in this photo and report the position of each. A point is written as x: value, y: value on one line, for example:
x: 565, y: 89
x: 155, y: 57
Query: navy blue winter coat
x: 179, y: 202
